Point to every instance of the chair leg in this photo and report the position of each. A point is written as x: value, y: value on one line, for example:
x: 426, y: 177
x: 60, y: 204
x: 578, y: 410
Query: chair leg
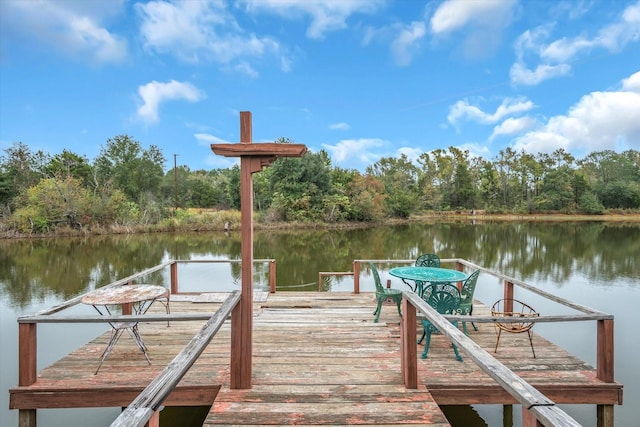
x: 464, y: 328
x: 398, y: 302
x: 422, y: 337
x: 455, y: 350
x: 472, y: 324
x: 531, y: 342
x: 495, y: 350
x: 377, y: 312
x: 427, y: 341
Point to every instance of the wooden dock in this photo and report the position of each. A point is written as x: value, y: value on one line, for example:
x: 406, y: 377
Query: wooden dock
x: 318, y: 359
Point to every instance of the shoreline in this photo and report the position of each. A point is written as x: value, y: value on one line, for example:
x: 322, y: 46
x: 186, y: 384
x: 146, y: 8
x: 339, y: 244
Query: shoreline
x: 428, y: 217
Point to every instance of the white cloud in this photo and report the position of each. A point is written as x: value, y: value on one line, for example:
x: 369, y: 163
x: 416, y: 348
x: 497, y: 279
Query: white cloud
x: 339, y: 126
x: 452, y: 15
x: 464, y: 110
x: 208, y: 139
x: 520, y: 74
x: 358, y: 149
x: 155, y: 93
x: 555, y: 55
x: 599, y: 121
x: 325, y: 15
x: 71, y: 27
x: 203, y: 31
x: 632, y: 84
x: 513, y: 126
x: 212, y: 160
x: 412, y: 153
x: 407, y: 42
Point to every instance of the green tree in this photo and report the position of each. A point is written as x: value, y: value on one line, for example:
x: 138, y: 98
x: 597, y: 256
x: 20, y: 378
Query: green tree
x: 20, y: 169
x: 69, y: 164
x: 53, y: 203
x: 400, y: 179
x: 136, y: 171
x: 463, y: 194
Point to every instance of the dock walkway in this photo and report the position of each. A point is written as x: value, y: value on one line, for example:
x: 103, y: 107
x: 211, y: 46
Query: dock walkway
x: 318, y: 359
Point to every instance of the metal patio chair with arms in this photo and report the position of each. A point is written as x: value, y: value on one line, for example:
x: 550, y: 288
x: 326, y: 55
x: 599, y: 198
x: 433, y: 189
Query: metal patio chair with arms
x: 382, y: 293
x: 466, y: 295
x: 445, y: 299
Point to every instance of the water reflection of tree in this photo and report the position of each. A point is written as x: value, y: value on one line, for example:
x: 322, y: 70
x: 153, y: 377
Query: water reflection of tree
x: 31, y: 270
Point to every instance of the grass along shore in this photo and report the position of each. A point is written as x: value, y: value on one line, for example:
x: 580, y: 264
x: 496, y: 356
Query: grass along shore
x: 204, y: 220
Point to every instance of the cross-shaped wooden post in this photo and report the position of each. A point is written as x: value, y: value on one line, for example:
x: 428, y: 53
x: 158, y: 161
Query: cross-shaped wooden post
x: 253, y: 157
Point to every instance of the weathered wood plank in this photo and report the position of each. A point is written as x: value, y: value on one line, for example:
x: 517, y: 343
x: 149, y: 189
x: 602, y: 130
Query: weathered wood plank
x: 311, y: 349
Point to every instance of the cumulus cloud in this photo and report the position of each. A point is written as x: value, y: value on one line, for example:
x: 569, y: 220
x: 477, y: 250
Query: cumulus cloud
x: 598, y: 121
x: 632, y: 84
x: 325, y: 15
x: 412, y: 153
x: 513, y: 126
x: 509, y: 106
x: 554, y: 57
x: 203, y: 31
x: 354, y: 149
x: 154, y: 93
x: 71, y: 27
x: 339, y: 126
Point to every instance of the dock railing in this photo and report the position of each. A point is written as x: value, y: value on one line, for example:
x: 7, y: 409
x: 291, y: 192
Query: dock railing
x: 537, y: 409
x: 147, y: 404
x: 28, y: 324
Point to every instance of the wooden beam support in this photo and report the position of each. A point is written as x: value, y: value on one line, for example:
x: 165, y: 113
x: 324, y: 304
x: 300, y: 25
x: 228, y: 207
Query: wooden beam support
x: 253, y: 158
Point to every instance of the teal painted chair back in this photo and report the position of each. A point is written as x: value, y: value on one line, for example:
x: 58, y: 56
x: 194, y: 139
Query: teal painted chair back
x: 382, y: 293
x: 466, y: 295
x: 445, y: 299
x: 376, y: 278
x: 428, y: 260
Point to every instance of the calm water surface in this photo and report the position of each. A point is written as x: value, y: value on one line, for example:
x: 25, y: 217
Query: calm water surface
x: 594, y: 264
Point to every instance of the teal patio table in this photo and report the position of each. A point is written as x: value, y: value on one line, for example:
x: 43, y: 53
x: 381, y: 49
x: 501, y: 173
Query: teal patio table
x: 424, y: 275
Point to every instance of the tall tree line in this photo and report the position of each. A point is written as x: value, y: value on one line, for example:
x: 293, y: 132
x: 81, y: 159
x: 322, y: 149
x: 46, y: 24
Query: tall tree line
x: 130, y: 184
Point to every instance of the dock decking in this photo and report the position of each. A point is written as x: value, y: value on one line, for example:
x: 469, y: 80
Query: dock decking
x: 318, y: 359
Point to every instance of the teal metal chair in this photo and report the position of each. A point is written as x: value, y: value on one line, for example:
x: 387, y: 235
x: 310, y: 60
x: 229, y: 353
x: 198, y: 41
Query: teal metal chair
x: 466, y: 295
x: 428, y: 260
x: 382, y: 293
x: 445, y: 299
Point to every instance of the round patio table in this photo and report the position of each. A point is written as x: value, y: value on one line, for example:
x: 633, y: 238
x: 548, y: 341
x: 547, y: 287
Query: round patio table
x: 424, y: 275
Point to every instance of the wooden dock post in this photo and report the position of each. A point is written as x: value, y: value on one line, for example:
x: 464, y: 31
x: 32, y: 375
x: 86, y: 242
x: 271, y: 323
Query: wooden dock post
x: 253, y: 158
x: 27, y: 367
x: 408, y: 345
x: 604, y: 368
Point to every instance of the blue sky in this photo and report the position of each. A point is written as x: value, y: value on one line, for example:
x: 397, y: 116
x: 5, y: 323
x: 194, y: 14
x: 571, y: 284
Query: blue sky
x: 362, y: 79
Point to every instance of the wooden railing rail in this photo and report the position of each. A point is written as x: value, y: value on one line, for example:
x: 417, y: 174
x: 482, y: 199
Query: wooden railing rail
x: 120, y: 282
x: 143, y: 407
x: 537, y: 404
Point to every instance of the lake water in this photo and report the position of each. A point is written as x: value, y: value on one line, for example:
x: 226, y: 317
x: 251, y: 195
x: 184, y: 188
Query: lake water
x: 594, y: 264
